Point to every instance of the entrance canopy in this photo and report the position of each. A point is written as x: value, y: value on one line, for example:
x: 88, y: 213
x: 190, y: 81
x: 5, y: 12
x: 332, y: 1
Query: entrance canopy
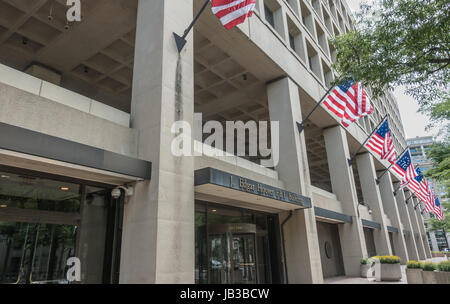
x: 36, y: 151
x: 222, y: 187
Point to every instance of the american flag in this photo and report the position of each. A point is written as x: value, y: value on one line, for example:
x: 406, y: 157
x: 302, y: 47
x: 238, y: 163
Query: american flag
x: 381, y: 143
x: 349, y: 102
x: 438, y: 209
x: 232, y: 12
x: 404, y: 168
x: 413, y: 183
x: 426, y: 195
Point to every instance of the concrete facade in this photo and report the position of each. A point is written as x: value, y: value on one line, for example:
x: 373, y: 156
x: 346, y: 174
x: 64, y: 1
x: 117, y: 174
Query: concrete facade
x: 126, y: 90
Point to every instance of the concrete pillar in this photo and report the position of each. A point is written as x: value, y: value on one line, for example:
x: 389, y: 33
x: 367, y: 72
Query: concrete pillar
x: 420, y: 248
x: 343, y: 183
x: 302, y: 245
x: 391, y: 209
x: 434, y: 243
x: 423, y: 233
x: 158, y: 231
x: 92, y: 237
x: 372, y: 197
x: 406, y: 221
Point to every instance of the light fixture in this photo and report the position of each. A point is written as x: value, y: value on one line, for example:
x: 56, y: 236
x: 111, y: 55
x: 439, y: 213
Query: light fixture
x: 4, y: 176
x: 214, y: 210
x: 50, y: 14
x: 65, y: 188
x: 3, y: 206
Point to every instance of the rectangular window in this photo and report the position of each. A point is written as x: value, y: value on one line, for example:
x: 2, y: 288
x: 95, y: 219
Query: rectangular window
x: 292, y: 41
x: 269, y: 16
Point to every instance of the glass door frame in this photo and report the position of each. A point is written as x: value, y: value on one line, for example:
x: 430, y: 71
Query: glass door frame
x: 111, y: 265
x: 228, y: 231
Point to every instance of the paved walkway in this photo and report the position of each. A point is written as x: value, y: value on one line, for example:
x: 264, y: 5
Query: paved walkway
x: 354, y: 280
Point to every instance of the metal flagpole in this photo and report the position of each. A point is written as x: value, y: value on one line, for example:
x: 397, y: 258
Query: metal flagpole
x: 406, y: 201
x: 350, y: 161
x: 385, y: 171
x: 301, y: 126
x: 181, y: 41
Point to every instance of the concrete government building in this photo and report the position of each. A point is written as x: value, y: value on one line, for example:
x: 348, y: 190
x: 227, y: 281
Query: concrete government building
x: 87, y: 107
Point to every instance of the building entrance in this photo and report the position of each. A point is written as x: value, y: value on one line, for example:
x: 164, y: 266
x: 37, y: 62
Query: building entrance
x: 233, y: 254
x: 46, y: 220
x: 236, y: 246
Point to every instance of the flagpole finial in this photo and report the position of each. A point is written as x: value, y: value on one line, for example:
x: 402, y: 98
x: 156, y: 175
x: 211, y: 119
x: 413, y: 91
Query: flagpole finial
x: 180, y: 41
x: 300, y: 127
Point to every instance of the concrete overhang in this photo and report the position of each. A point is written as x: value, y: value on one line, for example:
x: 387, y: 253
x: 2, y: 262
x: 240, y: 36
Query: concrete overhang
x: 392, y: 229
x: 370, y: 224
x: 26, y: 149
x: 223, y: 187
x: 332, y: 217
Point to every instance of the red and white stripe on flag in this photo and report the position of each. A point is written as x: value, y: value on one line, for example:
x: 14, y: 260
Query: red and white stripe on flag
x: 232, y: 12
x: 426, y: 195
x: 439, y: 213
x: 349, y: 103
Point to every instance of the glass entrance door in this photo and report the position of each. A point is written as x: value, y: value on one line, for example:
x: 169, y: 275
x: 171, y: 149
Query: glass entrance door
x: 244, y: 259
x: 32, y: 252
x: 232, y: 254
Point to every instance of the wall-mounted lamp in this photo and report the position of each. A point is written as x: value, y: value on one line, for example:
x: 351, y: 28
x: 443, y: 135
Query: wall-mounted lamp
x: 363, y: 204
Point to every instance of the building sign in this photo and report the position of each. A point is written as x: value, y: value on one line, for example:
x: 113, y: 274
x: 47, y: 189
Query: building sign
x: 231, y: 181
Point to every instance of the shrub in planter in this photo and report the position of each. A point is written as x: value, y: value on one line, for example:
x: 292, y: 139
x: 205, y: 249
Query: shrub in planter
x: 429, y: 275
x: 437, y: 254
x: 387, y: 268
x: 367, y: 268
x: 443, y: 276
x: 414, y: 272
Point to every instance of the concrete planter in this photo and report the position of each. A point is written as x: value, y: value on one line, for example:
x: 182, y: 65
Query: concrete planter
x: 388, y: 272
x: 414, y: 276
x: 443, y: 277
x: 367, y: 271
x: 437, y: 255
x: 430, y: 277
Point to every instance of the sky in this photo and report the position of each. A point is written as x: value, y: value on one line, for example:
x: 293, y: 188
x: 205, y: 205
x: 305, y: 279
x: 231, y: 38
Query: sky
x: 414, y: 123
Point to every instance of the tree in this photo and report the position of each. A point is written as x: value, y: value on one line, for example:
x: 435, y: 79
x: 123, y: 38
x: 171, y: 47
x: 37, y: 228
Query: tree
x: 401, y: 43
x: 437, y: 225
x: 440, y: 172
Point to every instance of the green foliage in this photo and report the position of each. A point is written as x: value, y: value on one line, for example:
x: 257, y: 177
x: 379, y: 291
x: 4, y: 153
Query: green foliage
x: 369, y: 261
x: 387, y: 259
x: 444, y: 266
x: 401, y: 43
x: 440, y: 154
x: 414, y: 265
x: 429, y: 266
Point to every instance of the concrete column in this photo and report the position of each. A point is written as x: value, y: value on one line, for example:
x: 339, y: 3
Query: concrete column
x: 158, y: 233
x: 416, y: 229
x: 343, y: 183
x: 423, y: 233
x: 390, y: 208
x: 406, y: 221
x: 372, y: 197
x: 92, y: 239
x: 434, y: 243
x: 302, y: 245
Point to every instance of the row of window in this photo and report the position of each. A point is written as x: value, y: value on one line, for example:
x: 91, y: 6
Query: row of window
x: 303, y: 33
